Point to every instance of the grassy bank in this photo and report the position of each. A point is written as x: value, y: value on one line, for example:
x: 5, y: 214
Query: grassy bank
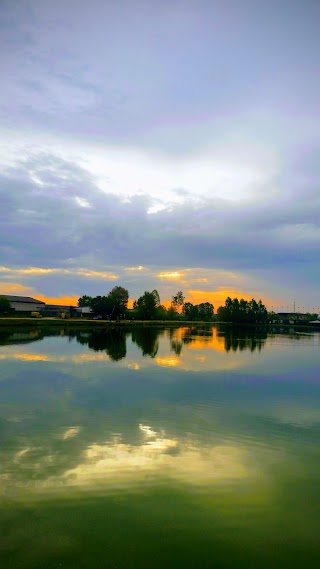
x: 87, y: 323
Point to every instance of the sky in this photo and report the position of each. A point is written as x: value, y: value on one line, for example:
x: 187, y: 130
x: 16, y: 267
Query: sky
x: 170, y: 145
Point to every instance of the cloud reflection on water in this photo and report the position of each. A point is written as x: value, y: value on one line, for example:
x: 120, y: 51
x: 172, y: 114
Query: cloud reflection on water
x: 116, y: 463
x: 158, y: 456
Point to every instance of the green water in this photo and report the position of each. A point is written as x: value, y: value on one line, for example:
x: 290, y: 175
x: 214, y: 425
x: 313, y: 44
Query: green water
x: 190, y: 448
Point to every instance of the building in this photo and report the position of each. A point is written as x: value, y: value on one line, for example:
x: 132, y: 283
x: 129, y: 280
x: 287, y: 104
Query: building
x: 294, y: 317
x: 84, y: 310
x: 24, y: 303
x: 55, y: 309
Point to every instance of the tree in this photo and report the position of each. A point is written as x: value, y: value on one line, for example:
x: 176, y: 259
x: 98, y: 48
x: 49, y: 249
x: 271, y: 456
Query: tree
x: 172, y: 313
x: 146, y: 306
x: 156, y: 297
x: 162, y: 313
x: 205, y: 311
x: 114, y: 305
x: 5, y: 306
x: 243, y: 311
x: 85, y: 300
x: 101, y: 306
x: 177, y: 300
x: 118, y: 298
x: 262, y: 312
x: 188, y: 310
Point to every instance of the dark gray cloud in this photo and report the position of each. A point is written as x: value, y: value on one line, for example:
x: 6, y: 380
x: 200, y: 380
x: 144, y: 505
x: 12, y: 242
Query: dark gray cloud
x: 54, y: 211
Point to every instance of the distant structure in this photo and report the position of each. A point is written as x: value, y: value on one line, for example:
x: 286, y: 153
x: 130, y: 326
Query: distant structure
x: 296, y: 317
x: 315, y: 321
x: 27, y: 304
x: 84, y: 310
x: 24, y: 303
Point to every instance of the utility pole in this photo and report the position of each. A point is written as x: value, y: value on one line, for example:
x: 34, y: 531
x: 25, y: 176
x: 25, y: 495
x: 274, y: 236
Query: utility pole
x: 294, y: 307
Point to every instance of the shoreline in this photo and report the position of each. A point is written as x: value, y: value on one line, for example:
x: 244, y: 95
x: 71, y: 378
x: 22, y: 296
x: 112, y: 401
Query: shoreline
x: 25, y: 322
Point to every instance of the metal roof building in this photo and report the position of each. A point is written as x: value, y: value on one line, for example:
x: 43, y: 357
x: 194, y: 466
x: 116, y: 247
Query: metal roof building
x: 24, y: 303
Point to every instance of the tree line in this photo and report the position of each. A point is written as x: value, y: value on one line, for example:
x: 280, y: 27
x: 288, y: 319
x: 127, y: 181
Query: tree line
x: 243, y: 311
x: 148, y: 306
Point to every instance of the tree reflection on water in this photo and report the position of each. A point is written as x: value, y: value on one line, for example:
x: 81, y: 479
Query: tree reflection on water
x: 113, y: 340
x: 147, y: 339
x: 242, y: 338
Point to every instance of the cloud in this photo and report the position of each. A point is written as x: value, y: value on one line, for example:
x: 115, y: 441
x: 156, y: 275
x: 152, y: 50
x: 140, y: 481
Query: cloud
x: 41, y: 271
x: 45, y: 233
x: 15, y: 289
x: 144, y: 79
x: 134, y: 154
x: 140, y: 268
x: 173, y: 276
x: 29, y: 271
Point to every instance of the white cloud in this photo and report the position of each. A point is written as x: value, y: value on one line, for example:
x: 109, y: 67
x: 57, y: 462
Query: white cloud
x: 128, y: 172
x: 82, y: 202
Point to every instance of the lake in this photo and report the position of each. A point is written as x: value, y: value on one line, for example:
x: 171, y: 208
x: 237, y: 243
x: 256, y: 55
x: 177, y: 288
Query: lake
x: 159, y: 448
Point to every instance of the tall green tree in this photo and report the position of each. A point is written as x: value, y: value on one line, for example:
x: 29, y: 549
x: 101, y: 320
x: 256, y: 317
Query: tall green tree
x: 188, y: 310
x: 5, y: 306
x: 114, y: 305
x: 172, y: 313
x: 118, y: 298
x: 146, y: 306
x: 205, y: 311
x: 85, y: 300
x: 102, y: 306
x: 243, y: 311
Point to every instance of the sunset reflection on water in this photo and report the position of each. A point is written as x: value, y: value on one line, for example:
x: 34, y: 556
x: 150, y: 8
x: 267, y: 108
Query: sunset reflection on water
x: 196, y: 429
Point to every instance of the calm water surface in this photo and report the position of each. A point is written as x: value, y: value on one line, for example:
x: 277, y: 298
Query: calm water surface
x: 148, y: 448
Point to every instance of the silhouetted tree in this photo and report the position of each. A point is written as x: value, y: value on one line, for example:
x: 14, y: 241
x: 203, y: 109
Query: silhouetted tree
x: 5, y: 306
x: 177, y: 300
x: 146, y: 306
x: 188, y: 310
x: 85, y: 300
x: 203, y: 311
x: 243, y: 311
x: 114, y: 305
x: 118, y: 298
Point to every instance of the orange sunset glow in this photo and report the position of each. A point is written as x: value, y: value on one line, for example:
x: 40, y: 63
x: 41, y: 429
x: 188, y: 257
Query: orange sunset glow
x: 217, y: 297
x: 63, y: 300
